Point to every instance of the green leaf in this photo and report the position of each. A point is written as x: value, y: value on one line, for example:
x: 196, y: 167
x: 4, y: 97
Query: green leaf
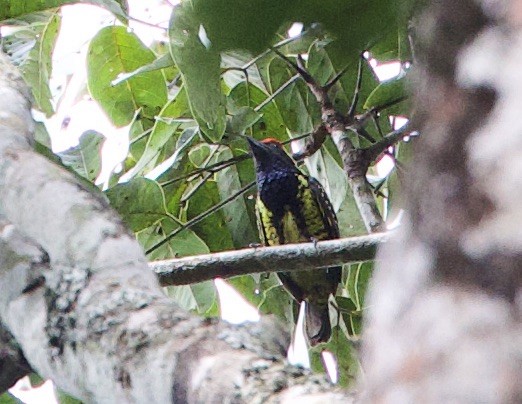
x: 199, y: 154
x: 200, y: 67
x: 85, y: 159
x: 30, y: 45
x: 270, y: 124
x: 181, y: 166
x: 323, y: 167
x: 232, y: 61
x: 245, y: 168
x: 139, y: 131
x: 213, y: 229
x: 183, y: 296
x: 165, y: 127
x: 41, y: 135
x: 205, y: 294
x: 242, y: 119
x: 265, y: 292
x: 114, y: 51
x: 395, y: 46
x: 394, y: 182
x: 8, y: 398
x: 242, y: 230
x: 355, y: 24
x: 163, y: 62
x: 386, y: 92
x: 140, y: 202
x: 322, y: 68
x: 17, y: 8
x: 240, y: 24
x: 349, y: 217
x: 345, y: 304
x: 290, y: 102
x: 200, y: 297
x: 276, y: 300
x: 348, y: 366
x: 358, y: 279
x: 184, y: 244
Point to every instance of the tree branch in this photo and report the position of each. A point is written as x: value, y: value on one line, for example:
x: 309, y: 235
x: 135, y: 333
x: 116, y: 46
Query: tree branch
x: 312, y: 143
x: 291, y: 257
x: 356, y: 166
x: 375, y: 150
x: 354, y: 163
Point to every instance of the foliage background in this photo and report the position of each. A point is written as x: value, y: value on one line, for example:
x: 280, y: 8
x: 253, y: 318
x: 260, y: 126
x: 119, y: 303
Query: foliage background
x: 183, y: 100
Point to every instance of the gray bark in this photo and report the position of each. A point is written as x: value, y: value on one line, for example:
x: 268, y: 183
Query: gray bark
x: 444, y: 323
x: 77, y: 295
x: 291, y: 257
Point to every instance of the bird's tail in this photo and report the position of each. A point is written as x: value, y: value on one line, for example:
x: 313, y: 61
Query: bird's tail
x: 317, y: 323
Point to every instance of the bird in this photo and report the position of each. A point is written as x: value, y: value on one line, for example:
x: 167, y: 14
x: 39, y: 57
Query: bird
x: 292, y: 207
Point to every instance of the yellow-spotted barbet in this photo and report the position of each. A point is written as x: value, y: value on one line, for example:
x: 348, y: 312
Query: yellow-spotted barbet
x: 293, y: 207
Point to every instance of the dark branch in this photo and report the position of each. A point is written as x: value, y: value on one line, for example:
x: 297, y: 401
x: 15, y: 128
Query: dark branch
x: 312, y: 144
x: 355, y: 100
x: 371, y: 153
x: 213, y: 168
x: 290, y: 257
x: 277, y: 92
x: 335, y: 79
x: 319, y: 92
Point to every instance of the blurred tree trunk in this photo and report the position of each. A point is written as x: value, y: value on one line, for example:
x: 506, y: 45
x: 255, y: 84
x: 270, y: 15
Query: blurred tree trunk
x: 445, y: 305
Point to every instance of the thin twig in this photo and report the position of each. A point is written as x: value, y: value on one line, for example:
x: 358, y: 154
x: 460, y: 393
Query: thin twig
x: 277, y: 92
x: 303, y: 73
x: 196, y: 187
x: 335, y: 79
x: 200, y: 217
x: 211, y: 168
x: 148, y: 24
x: 140, y: 136
x: 372, y: 152
x: 312, y: 144
x: 269, y: 50
x: 358, y: 84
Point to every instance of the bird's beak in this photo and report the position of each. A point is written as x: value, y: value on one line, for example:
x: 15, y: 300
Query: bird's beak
x: 259, y: 149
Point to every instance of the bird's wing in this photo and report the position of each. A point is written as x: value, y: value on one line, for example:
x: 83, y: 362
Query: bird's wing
x: 327, y: 210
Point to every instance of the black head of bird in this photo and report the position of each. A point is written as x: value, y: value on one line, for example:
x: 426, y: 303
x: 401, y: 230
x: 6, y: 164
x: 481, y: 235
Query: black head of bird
x: 269, y: 156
